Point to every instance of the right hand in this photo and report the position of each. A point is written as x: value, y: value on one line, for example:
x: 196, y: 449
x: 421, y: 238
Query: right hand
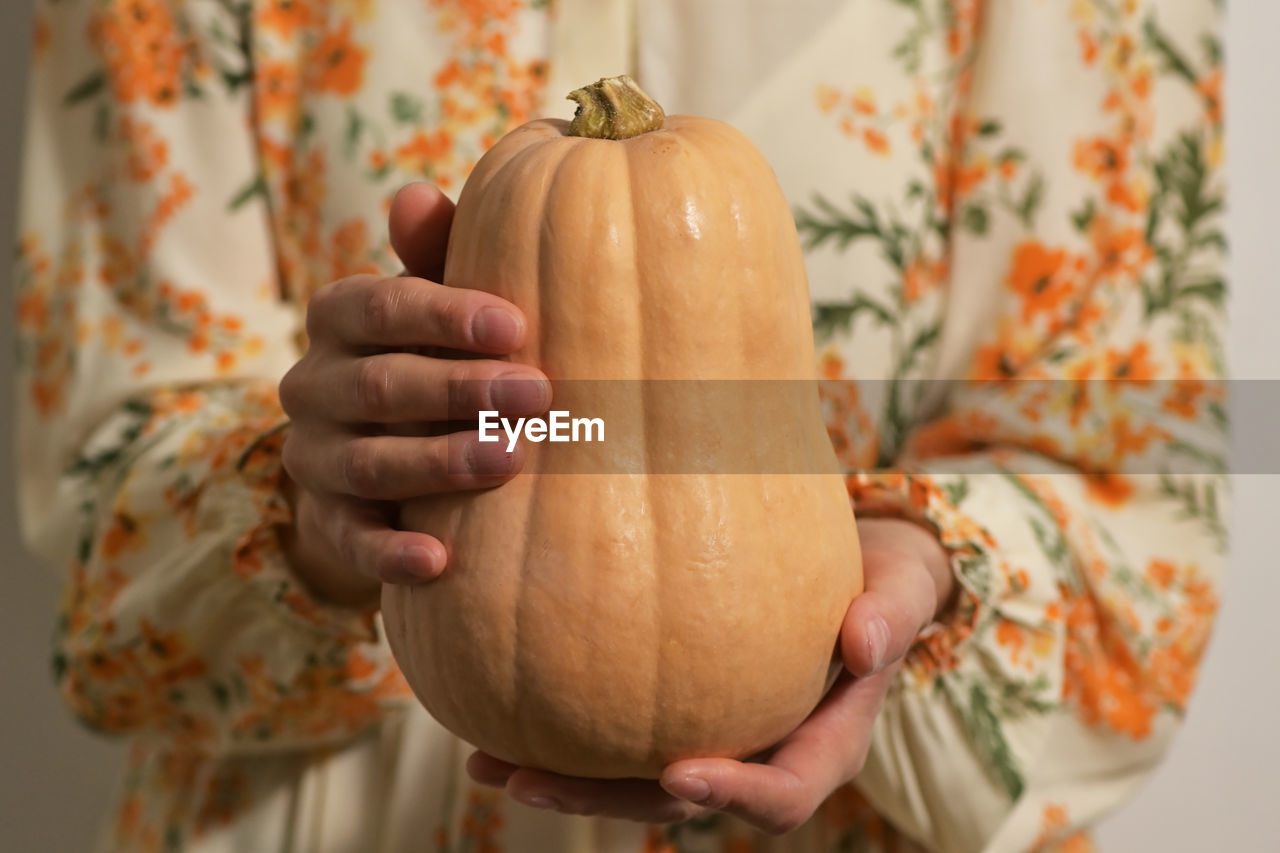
x: 360, y: 396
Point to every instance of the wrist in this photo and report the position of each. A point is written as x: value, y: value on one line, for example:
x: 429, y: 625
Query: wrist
x: 921, y: 542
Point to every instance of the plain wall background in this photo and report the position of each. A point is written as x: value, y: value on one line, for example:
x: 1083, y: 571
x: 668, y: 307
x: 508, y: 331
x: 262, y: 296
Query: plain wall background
x: 1217, y: 791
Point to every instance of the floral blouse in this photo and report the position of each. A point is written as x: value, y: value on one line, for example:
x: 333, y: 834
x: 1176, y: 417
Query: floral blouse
x: 1020, y: 199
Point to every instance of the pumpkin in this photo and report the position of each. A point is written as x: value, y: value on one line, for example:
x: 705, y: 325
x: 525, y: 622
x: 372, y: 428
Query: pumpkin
x: 606, y: 624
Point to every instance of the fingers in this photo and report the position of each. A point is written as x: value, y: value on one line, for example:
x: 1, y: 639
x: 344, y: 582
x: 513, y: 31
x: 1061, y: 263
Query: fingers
x: 899, y: 600
x: 357, y: 550
x: 628, y: 799
x: 420, y: 219
x: 487, y: 770
x: 392, y: 468
x: 399, y: 387
x: 826, y: 751
x: 405, y: 312
x: 769, y: 798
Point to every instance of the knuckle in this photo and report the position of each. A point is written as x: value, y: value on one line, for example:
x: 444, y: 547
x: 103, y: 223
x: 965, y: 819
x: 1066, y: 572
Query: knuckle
x: 381, y: 307
x: 448, y: 316
x: 360, y: 468
x: 294, y: 388
x: 463, y: 392
x: 320, y: 308
x: 344, y: 542
x: 373, y: 386
x: 789, y: 820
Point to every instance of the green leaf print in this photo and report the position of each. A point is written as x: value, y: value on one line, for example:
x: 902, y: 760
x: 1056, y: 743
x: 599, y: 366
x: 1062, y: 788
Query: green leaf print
x: 250, y: 191
x: 985, y: 726
x: 832, y: 317
x: 406, y: 108
x: 834, y: 225
x: 89, y: 87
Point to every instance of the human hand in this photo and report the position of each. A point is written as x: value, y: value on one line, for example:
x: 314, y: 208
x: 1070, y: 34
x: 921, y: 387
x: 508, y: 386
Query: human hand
x: 908, y: 581
x: 363, y: 389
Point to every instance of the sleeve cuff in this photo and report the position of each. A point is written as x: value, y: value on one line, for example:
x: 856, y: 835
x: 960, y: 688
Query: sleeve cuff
x: 257, y: 506
x: 923, y: 501
x: 978, y: 689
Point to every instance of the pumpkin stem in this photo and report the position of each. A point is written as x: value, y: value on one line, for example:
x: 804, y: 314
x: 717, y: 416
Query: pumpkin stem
x: 614, y: 108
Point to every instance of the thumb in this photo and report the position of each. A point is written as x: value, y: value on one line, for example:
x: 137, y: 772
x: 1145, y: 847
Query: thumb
x: 420, y: 218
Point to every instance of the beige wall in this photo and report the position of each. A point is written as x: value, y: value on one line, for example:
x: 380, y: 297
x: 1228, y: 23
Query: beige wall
x: 1217, y: 791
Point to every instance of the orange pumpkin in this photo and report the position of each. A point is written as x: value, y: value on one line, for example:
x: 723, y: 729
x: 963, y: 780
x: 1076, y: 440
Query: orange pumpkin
x: 606, y: 624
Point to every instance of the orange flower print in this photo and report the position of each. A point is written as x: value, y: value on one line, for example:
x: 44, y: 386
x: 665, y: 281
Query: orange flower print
x: 921, y: 277
x: 1184, y: 397
x: 1109, y: 488
x: 276, y: 89
x: 1131, y: 195
x: 1161, y: 573
x: 1134, y: 365
x: 41, y: 37
x: 656, y: 841
x: 336, y: 64
x: 1129, y: 440
x: 994, y: 361
x: 963, y: 25
x: 1101, y: 673
x: 1101, y: 157
x: 124, y: 534
x: 482, y: 820
x: 1053, y: 823
x: 876, y: 141
x: 1088, y: 47
x: 476, y: 14
x: 1011, y: 636
x: 1041, y: 276
x: 33, y: 310
x: 351, y: 252
x: 148, y: 152
x: 1121, y: 251
x: 225, y: 795
x: 956, y: 433
x: 285, y: 18
x: 1210, y: 88
x: 142, y: 49
x: 424, y: 151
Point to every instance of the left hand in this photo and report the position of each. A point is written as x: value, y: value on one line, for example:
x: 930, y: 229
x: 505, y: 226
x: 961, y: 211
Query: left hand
x: 907, y: 583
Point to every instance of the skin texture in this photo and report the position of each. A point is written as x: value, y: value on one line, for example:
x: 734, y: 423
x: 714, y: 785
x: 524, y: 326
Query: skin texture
x: 610, y: 611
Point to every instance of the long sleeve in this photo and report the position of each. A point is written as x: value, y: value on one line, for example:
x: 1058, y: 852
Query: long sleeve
x: 1060, y: 279
x: 152, y: 334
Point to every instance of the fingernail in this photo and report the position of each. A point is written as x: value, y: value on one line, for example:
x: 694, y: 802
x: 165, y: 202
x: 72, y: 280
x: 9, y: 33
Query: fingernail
x: 517, y: 393
x: 539, y: 802
x: 495, y: 328
x: 877, y: 642
x: 691, y: 788
x: 419, y: 562
x: 490, y: 459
